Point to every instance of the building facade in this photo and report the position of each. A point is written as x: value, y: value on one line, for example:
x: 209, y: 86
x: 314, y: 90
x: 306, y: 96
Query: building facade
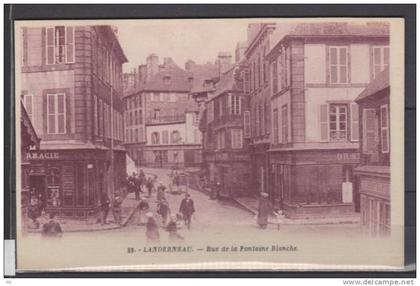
x: 317, y: 71
x: 374, y: 173
x: 226, y: 134
x: 71, y: 79
x: 259, y: 43
x: 162, y: 119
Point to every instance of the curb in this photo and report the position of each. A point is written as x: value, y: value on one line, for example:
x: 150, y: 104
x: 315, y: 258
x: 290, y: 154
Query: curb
x: 295, y: 222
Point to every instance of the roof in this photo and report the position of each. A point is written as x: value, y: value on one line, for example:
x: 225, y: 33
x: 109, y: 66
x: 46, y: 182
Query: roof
x: 202, y: 72
x: 179, y: 81
x: 111, y: 35
x: 380, y: 83
x: 227, y: 82
x: 331, y: 29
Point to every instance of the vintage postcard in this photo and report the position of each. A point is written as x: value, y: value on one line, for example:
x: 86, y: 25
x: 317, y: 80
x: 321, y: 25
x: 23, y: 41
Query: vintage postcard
x: 210, y: 144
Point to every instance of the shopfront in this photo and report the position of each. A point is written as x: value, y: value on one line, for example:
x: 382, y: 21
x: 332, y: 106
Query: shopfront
x: 72, y: 182
x: 313, y: 183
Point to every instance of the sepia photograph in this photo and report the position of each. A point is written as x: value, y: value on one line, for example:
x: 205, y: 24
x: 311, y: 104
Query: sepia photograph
x: 210, y: 144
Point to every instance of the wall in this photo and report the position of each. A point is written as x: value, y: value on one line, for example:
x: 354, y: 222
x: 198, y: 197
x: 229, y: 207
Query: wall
x: 180, y: 127
x: 192, y: 133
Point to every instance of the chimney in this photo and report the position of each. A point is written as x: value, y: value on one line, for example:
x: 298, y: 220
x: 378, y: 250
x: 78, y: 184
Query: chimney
x: 189, y: 64
x: 224, y: 60
x: 152, y: 66
x: 142, y: 73
x: 167, y: 61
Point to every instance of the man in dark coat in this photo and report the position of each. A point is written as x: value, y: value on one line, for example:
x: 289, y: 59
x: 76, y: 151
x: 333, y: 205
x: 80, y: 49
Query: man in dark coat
x: 264, y: 210
x: 51, y: 228
x: 149, y: 186
x: 187, y: 209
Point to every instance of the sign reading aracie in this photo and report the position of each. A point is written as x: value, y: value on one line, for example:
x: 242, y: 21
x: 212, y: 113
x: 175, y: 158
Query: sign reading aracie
x: 42, y: 155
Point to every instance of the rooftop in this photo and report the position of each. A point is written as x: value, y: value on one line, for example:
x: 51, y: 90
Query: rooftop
x: 380, y: 83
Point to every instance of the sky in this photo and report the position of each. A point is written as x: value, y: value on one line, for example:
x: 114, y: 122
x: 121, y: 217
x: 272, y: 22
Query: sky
x: 197, y: 39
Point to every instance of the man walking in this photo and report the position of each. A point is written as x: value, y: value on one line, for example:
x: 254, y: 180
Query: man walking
x: 187, y: 209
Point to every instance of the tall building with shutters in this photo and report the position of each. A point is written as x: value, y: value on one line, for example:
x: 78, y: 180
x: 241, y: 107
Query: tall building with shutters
x: 71, y: 84
x: 316, y: 73
x: 161, y: 118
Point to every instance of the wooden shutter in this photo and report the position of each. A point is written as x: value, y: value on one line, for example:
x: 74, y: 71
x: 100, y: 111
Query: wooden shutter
x: 50, y: 44
x: 231, y: 107
x: 354, y: 118
x: 69, y: 44
x: 370, y: 131
x: 323, y: 120
x: 247, y: 124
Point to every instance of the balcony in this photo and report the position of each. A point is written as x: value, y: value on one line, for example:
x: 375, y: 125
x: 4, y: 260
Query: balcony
x: 166, y: 119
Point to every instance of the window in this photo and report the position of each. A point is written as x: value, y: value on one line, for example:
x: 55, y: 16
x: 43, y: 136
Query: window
x: 284, y: 124
x: 275, y: 126
x: 59, y: 45
x: 155, y: 138
x: 384, y: 129
x: 56, y: 113
x: 236, y: 138
x: 165, y: 137
x: 262, y: 119
x: 338, y: 122
x: 156, y: 113
x: 247, y: 124
x: 235, y: 104
x: 95, y: 115
x: 258, y: 71
x: 175, y: 137
x: 136, y: 135
x: 380, y: 59
x: 257, y: 117
x: 370, y: 131
x: 274, y: 81
x: 267, y: 117
x: 221, y: 140
x: 136, y: 117
x: 221, y: 106
x: 265, y: 78
x: 28, y: 103
x: 354, y: 132
x: 338, y: 64
x: 210, y: 111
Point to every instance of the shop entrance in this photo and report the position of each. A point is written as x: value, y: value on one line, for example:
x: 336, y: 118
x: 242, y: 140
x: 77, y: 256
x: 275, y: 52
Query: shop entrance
x: 37, y: 188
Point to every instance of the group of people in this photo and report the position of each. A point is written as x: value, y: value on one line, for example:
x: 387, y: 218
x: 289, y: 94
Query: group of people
x: 186, y: 211
x: 136, y: 184
x: 115, y: 207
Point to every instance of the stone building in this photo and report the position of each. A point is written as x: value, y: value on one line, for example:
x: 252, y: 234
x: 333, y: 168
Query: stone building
x: 71, y: 80
x: 374, y: 172
x: 225, y: 125
x: 162, y: 119
x: 258, y: 45
x: 316, y: 73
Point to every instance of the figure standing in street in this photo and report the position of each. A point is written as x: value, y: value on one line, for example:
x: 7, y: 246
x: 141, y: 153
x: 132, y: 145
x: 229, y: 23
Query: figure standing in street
x: 264, y: 210
x: 152, y: 231
x: 163, y: 210
x: 104, y: 208
x: 116, y: 209
x: 187, y: 209
x: 160, y: 192
x: 51, y: 228
x: 143, y: 207
x: 149, y: 186
x: 172, y: 228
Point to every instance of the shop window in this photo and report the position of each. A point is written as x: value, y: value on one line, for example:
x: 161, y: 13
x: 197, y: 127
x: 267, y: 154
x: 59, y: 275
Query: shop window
x: 59, y: 45
x: 56, y: 113
x: 338, y: 65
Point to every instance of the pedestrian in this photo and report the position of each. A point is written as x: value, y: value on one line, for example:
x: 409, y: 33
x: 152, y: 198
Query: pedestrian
x: 51, y: 228
x: 187, y: 209
x: 149, y: 186
x: 104, y: 208
x: 143, y: 207
x: 160, y: 192
x: 152, y: 231
x: 116, y: 209
x: 34, y: 211
x: 163, y: 210
x: 264, y: 210
x: 172, y: 228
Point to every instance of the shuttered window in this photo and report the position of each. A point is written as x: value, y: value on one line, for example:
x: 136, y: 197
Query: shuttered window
x: 370, y: 131
x: 380, y: 59
x: 384, y: 129
x: 354, y: 113
x: 338, y: 65
x: 56, y: 113
x: 284, y: 124
x: 275, y: 126
x: 59, y: 45
x: 323, y: 119
x: 247, y: 124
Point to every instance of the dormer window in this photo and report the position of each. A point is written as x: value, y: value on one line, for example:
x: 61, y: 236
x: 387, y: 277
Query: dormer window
x: 166, y: 79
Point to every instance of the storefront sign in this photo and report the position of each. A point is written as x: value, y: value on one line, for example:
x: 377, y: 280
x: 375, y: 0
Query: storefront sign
x: 348, y: 156
x: 42, y: 156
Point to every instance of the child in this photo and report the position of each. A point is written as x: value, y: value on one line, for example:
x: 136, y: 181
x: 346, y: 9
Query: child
x: 172, y: 228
